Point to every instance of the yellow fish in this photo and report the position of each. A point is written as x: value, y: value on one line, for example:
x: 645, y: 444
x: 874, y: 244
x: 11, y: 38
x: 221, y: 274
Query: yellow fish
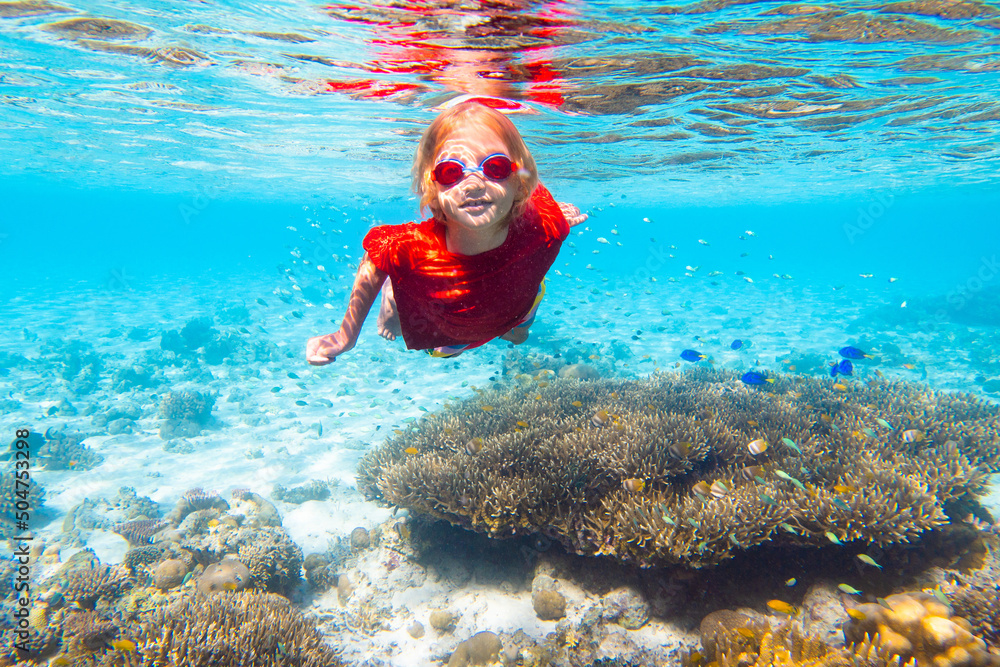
x: 487, y: 408
x: 229, y: 586
x: 633, y: 485
x: 719, y: 488
x: 680, y: 449
x: 600, y: 418
x: 758, y: 446
x: 60, y: 661
x: 125, y: 644
x: 522, y: 424
x: 843, y: 488
x: 857, y: 614
x: 839, y: 386
x: 702, y: 489
x: 781, y: 607
x: 577, y: 404
x: 474, y: 446
x: 595, y: 356
x: 913, y: 435
x: 411, y: 450
x: 745, y: 632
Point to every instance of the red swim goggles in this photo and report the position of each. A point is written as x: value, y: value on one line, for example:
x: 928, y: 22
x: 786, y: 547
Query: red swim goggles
x: 496, y: 167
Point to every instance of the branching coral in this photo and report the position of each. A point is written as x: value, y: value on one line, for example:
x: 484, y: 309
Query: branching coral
x: 786, y: 647
x: 86, y: 584
x: 659, y: 471
x: 247, y: 629
x: 140, y: 531
x: 274, y: 560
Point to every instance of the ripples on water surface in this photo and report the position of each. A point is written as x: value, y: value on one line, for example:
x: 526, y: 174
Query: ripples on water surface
x: 764, y: 99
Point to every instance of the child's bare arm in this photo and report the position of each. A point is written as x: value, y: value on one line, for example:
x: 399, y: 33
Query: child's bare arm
x: 572, y: 214
x: 322, y: 350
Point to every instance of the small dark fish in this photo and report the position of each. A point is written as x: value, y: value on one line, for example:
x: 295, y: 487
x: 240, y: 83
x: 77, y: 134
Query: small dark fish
x: 755, y: 378
x: 262, y: 302
x: 297, y: 313
x: 300, y: 403
x: 853, y: 353
x: 736, y: 344
x: 693, y: 355
x: 293, y: 375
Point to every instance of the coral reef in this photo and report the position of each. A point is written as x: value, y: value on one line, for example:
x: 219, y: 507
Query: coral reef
x: 274, y: 560
x: 903, y: 629
x: 786, y: 647
x: 314, y: 490
x: 660, y: 471
x: 185, y: 413
x: 919, y: 627
x: 247, y: 629
x: 228, y: 574
x: 87, y: 580
x: 64, y: 451
x: 187, y: 405
x: 195, y: 500
x: 975, y: 595
x: 75, y: 362
x: 139, y: 531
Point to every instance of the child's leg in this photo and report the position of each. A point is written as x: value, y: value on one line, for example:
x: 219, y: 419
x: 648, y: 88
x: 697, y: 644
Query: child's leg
x: 388, y: 316
x: 519, y: 334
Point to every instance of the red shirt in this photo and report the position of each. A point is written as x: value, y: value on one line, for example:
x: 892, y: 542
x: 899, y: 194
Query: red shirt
x: 445, y: 298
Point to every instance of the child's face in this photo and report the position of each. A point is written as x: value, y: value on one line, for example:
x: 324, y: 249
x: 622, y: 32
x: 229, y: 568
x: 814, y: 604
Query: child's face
x: 475, y: 202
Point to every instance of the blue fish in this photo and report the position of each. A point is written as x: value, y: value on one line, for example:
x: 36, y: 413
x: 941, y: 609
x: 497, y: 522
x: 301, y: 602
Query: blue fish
x: 736, y: 344
x: 845, y: 367
x: 853, y: 353
x: 755, y: 378
x: 693, y: 355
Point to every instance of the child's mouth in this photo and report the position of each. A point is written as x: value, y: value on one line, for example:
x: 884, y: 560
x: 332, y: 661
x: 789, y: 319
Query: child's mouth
x: 476, y: 205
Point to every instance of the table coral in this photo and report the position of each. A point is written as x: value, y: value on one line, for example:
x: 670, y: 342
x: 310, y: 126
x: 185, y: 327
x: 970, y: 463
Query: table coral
x: 659, y: 471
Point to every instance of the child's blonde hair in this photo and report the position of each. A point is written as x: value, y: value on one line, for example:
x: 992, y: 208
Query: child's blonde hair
x: 445, y: 125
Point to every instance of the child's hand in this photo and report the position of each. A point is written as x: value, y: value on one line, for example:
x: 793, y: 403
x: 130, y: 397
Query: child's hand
x: 572, y: 214
x: 321, y: 350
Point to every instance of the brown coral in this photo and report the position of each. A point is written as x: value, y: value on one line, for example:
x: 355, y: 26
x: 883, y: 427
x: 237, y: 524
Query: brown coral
x: 274, y: 560
x: 247, y: 629
x: 91, y: 581
x: 556, y: 459
x: 139, y: 531
x: 976, y: 596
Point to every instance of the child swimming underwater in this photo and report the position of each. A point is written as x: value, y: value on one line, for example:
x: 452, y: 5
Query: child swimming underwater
x: 474, y: 271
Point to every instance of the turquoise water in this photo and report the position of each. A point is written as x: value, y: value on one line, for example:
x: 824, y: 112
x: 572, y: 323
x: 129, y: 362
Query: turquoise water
x: 802, y: 177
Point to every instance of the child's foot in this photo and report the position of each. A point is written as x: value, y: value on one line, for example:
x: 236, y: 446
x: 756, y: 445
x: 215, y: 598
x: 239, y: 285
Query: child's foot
x: 388, y: 316
x: 516, y: 335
